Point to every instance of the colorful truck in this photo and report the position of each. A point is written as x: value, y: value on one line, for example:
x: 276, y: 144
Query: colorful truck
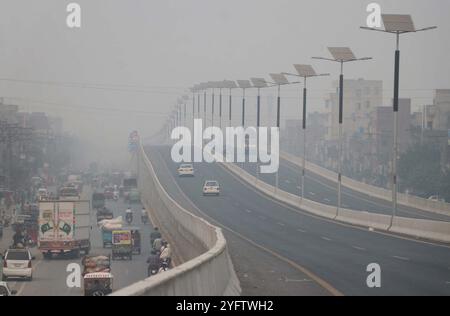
x: 64, y: 228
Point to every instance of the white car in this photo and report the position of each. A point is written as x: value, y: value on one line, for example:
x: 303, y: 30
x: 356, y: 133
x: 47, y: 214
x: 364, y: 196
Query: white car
x: 186, y: 170
x: 17, y: 264
x: 211, y: 187
x: 5, y: 290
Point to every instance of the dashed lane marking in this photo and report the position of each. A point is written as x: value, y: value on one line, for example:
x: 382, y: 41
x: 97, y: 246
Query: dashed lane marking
x: 401, y: 258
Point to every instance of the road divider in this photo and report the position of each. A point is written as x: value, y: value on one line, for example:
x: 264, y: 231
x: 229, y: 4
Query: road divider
x: 417, y: 228
x: 207, y: 269
x: 408, y: 200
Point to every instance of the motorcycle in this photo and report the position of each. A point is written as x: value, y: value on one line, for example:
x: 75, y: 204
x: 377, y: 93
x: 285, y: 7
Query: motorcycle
x: 144, y: 219
x: 129, y: 218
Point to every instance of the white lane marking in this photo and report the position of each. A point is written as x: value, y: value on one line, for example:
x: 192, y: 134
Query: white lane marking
x: 299, y: 187
x: 326, y: 200
x: 287, y: 181
x: 248, y: 211
x: 312, y: 193
x: 359, y: 248
x: 447, y: 282
x: 326, y: 238
x: 301, y: 230
x: 400, y: 258
x: 281, y: 224
x: 297, y: 280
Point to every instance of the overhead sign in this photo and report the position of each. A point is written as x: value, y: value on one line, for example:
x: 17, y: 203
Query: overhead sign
x: 133, y: 141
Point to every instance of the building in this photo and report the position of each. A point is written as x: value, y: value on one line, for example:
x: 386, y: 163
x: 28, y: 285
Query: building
x: 441, y: 118
x: 361, y: 97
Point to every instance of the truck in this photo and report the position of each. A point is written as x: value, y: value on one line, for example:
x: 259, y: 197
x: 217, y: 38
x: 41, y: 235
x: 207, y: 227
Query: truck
x: 129, y: 184
x: 64, y: 228
x: 98, y: 200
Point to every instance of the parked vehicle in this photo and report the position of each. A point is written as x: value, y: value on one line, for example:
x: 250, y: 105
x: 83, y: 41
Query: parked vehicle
x: 64, y: 228
x: 17, y: 264
x: 122, y: 244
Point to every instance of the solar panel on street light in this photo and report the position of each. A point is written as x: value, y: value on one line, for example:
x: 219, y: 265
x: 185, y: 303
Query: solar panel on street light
x: 305, y: 70
x: 279, y: 79
x: 259, y: 82
x: 342, y: 53
x: 244, y: 84
x: 230, y: 84
x: 398, y: 23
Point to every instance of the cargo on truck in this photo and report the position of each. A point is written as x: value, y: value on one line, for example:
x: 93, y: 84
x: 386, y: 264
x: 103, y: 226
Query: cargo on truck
x: 64, y: 228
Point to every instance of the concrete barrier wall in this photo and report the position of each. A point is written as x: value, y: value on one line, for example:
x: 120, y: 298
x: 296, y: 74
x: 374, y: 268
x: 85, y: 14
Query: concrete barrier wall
x: 208, y: 269
x: 433, y: 230
x: 437, y: 207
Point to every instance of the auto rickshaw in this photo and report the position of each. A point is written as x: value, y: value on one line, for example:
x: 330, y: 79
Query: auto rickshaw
x: 98, y: 284
x: 122, y: 244
x: 97, y: 277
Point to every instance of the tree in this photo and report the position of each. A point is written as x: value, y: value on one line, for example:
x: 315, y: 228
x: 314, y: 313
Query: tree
x: 419, y: 170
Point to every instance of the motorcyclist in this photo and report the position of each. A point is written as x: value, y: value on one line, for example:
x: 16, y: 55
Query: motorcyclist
x: 129, y: 214
x: 154, y: 263
x: 155, y: 235
x: 157, y: 244
x: 144, y: 215
x: 166, y: 254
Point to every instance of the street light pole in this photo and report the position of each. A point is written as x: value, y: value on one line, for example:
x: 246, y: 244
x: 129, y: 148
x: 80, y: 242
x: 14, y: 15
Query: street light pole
x: 341, y: 55
x: 243, y: 84
x: 305, y: 72
x: 220, y: 107
x: 397, y: 24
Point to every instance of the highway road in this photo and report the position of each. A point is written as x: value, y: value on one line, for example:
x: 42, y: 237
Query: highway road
x: 334, y: 256
x: 49, y: 276
x: 324, y: 191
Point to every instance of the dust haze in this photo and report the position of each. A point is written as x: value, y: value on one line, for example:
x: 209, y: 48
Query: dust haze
x: 124, y: 69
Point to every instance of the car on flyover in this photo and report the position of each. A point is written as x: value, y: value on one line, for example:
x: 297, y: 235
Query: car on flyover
x: 186, y: 170
x: 211, y: 187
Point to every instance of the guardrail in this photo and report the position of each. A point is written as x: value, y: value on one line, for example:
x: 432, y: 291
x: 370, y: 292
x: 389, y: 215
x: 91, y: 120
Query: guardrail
x: 418, y: 228
x: 408, y: 200
x: 208, y: 270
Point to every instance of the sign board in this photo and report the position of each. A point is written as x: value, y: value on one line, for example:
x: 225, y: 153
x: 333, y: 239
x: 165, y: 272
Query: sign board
x: 121, y: 237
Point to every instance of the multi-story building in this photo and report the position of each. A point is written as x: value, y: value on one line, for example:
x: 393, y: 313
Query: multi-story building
x: 361, y: 97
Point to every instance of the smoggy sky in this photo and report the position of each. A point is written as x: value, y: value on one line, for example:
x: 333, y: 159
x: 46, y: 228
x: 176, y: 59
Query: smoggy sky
x: 130, y: 60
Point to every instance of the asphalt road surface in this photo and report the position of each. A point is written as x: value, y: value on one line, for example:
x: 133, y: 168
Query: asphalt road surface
x: 324, y: 191
x: 329, y: 255
x: 49, y: 276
